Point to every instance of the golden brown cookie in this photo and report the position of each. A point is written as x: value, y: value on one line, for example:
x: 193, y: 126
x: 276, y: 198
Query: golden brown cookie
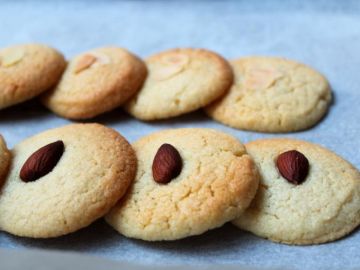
x: 28, y: 70
x: 5, y: 159
x: 180, y: 81
x: 188, y: 182
x: 63, y: 179
x: 299, y: 203
x: 95, y: 82
x: 272, y: 95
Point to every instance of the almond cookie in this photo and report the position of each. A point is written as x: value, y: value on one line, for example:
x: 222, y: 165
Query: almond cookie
x: 180, y: 81
x: 5, y: 158
x: 307, y: 194
x: 188, y: 181
x: 26, y: 71
x: 272, y: 95
x: 95, y: 82
x: 63, y: 179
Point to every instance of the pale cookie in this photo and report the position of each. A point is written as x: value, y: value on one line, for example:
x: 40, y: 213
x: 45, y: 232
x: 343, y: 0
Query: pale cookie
x: 324, y: 207
x: 88, y: 174
x: 95, y: 82
x: 272, y: 95
x: 212, y: 181
x: 180, y: 81
x: 5, y: 159
x: 26, y: 71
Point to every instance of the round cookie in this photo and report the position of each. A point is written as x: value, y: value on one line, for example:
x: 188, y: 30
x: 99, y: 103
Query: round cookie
x: 216, y: 183
x: 325, y: 207
x: 28, y: 70
x: 5, y: 159
x: 95, y: 82
x: 94, y: 171
x: 272, y: 95
x: 180, y: 81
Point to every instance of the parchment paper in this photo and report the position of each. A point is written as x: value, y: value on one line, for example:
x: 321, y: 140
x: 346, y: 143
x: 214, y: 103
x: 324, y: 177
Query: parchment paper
x: 322, y: 34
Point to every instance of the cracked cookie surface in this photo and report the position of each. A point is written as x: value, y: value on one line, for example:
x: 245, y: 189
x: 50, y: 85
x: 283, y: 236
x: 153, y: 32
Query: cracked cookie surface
x: 325, y: 207
x: 95, y: 82
x: 180, y: 81
x: 28, y: 70
x: 272, y: 95
x: 93, y: 173
x: 217, y: 182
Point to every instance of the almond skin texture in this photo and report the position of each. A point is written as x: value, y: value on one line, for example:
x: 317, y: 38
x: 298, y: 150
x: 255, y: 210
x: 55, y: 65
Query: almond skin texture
x: 293, y: 166
x: 42, y: 161
x: 167, y: 164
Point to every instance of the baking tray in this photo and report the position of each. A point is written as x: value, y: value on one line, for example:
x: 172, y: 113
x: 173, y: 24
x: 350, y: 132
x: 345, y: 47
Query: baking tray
x: 322, y: 34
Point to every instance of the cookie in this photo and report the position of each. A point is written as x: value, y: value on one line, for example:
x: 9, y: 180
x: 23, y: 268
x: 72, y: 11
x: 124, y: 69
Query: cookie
x: 180, y: 81
x: 5, y: 158
x: 63, y: 179
x: 322, y: 205
x: 188, y: 181
x: 26, y: 71
x: 95, y: 82
x: 272, y: 95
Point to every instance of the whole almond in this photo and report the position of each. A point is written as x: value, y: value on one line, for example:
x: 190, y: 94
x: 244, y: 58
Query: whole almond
x: 293, y: 166
x: 42, y: 161
x: 167, y: 164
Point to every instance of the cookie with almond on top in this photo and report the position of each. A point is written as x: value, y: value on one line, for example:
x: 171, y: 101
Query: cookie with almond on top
x: 188, y: 181
x: 63, y: 179
x: 307, y: 194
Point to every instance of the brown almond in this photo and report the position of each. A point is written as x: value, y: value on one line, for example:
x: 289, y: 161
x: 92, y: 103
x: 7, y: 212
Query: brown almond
x: 167, y: 164
x: 84, y: 62
x: 293, y: 166
x: 42, y: 161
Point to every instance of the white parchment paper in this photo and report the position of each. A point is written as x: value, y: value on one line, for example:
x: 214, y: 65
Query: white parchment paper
x: 322, y: 34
